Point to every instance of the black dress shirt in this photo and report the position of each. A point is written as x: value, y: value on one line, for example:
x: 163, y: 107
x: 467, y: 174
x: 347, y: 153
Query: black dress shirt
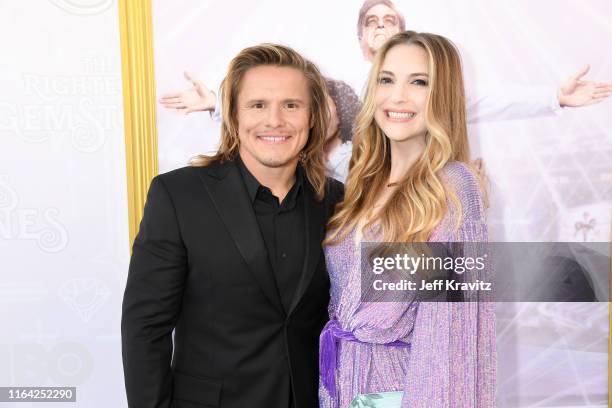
x: 282, y: 225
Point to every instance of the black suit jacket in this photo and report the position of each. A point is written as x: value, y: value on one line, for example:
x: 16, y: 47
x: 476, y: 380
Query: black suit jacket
x: 200, y: 267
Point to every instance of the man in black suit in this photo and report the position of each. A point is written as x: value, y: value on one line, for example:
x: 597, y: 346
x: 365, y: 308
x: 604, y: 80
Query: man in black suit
x: 229, y: 252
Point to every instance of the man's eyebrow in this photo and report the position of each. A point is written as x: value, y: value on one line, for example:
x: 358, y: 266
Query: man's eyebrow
x: 288, y: 100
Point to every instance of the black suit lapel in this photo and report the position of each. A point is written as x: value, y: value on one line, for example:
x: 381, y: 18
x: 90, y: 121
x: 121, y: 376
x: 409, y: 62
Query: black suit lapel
x: 228, y: 193
x: 315, y: 232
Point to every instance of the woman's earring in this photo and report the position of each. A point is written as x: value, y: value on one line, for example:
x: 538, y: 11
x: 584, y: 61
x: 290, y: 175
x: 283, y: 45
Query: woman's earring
x: 302, y: 157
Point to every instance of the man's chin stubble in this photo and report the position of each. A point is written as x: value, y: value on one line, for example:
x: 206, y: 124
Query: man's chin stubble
x: 276, y: 163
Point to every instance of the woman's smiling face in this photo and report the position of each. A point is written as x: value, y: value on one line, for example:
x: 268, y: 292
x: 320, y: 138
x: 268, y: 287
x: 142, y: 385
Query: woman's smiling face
x: 402, y: 93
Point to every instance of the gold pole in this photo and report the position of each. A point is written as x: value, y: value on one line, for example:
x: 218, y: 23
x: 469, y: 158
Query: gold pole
x: 135, y: 24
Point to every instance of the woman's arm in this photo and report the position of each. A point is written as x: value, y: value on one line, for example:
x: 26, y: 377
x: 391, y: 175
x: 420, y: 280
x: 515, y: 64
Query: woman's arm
x: 453, y: 360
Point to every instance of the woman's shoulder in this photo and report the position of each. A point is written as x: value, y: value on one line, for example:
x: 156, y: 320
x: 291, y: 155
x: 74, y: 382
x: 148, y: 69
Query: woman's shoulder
x: 460, y: 177
x: 458, y: 172
x: 462, y: 181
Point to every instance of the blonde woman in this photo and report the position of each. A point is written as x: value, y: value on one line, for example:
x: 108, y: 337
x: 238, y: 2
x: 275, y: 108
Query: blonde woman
x: 409, y: 181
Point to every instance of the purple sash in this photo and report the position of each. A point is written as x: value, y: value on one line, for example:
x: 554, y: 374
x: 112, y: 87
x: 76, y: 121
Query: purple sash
x: 328, y: 353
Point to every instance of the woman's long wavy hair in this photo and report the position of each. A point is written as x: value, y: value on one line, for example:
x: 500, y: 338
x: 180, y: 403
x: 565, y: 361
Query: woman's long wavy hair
x: 420, y: 200
x: 312, y: 157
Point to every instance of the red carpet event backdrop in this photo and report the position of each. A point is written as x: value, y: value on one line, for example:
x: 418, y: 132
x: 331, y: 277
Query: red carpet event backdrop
x: 64, y: 238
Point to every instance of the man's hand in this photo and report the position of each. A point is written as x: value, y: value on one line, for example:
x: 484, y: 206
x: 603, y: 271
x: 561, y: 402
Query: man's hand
x: 196, y: 99
x: 576, y: 92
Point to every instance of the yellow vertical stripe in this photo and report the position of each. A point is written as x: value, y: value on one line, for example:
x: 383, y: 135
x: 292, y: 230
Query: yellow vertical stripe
x: 135, y: 24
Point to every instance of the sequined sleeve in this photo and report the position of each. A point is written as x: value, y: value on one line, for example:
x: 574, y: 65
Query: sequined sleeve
x: 453, y: 360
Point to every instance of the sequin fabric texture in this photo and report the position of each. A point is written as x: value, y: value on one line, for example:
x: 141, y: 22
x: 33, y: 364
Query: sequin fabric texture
x: 451, y: 360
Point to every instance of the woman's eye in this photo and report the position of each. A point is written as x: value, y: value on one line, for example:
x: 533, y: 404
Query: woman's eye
x: 257, y: 105
x: 385, y: 80
x: 292, y: 106
x: 420, y: 82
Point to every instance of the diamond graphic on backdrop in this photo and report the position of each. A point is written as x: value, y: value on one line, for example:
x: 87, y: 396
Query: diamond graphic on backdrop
x: 85, y: 296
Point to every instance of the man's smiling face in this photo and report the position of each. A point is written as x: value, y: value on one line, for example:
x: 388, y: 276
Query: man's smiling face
x: 274, y: 116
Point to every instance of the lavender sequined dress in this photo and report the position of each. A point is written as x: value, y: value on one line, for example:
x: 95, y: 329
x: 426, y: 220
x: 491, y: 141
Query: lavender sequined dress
x: 451, y: 358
